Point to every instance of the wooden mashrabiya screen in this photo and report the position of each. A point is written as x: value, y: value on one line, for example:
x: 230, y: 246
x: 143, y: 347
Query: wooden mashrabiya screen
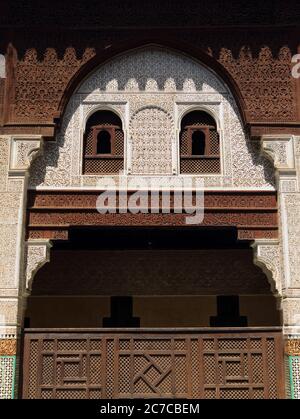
x: 175, y: 363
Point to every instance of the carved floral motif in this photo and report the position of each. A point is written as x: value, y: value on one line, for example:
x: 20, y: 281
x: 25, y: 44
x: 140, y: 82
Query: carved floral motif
x: 8, y: 347
x: 23, y: 151
x: 292, y: 347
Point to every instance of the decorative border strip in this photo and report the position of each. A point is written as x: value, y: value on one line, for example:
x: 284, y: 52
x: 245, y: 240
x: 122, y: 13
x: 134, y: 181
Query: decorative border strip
x: 294, y: 372
x: 217, y: 200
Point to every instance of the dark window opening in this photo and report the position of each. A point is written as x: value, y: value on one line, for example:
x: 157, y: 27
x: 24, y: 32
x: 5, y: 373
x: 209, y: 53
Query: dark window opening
x: 26, y: 322
x: 121, y: 309
x: 198, y: 143
x: 104, y: 142
x: 228, y: 313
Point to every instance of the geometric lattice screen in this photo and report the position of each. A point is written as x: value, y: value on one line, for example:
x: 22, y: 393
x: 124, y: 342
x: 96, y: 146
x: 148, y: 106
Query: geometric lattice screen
x: 7, y: 376
x: 130, y: 365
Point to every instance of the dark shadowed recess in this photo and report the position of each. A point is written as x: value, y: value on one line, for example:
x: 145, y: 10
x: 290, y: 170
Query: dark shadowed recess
x: 151, y: 238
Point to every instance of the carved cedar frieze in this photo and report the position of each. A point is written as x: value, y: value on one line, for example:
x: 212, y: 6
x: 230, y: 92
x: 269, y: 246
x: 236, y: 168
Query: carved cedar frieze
x: 42, y: 74
x: 268, y: 74
x: 40, y: 83
x: 50, y: 213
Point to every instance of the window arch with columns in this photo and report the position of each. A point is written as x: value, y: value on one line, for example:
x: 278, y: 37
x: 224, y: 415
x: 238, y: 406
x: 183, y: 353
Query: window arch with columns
x: 199, y: 144
x: 103, y: 143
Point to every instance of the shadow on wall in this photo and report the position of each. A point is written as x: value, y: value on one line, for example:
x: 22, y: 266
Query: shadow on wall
x: 156, y: 311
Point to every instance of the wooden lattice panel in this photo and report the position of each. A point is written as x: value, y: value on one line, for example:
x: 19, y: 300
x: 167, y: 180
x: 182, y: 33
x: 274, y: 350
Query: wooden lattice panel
x: 200, y: 165
x: 235, y: 365
x: 104, y: 165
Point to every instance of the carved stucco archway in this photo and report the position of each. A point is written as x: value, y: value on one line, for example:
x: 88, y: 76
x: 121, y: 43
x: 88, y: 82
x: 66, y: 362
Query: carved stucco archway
x: 239, y: 171
x: 267, y: 253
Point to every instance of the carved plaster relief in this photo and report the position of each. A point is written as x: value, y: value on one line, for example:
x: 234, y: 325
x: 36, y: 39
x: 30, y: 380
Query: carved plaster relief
x: 283, y: 151
x: 152, y: 78
x: 267, y: 255
x: 16, y: 160
x: 291, y: 314
x: 280, y: 150
x: 291, y: 224
x: 23, y: 150
x: 37, y: 254
x: 151, y: 130
x: 16, y: 155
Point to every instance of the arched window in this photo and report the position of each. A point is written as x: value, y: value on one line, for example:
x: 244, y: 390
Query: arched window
x: 103, y: 144
x: 199, y: 144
